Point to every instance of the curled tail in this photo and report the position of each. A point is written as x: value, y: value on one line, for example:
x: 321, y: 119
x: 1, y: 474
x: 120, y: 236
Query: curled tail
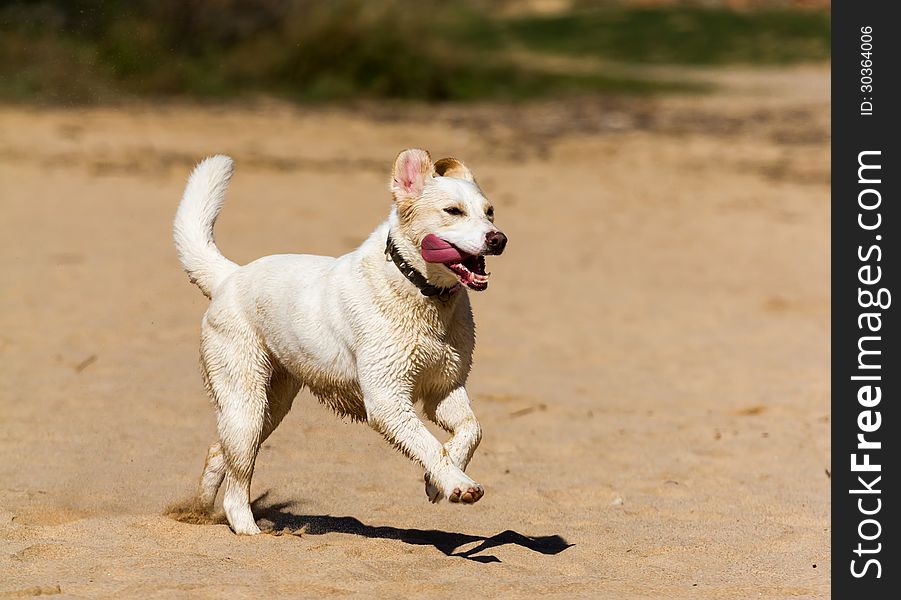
x: 193, y: 230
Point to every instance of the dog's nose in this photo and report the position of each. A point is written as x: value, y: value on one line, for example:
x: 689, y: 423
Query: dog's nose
x: 496, y: 242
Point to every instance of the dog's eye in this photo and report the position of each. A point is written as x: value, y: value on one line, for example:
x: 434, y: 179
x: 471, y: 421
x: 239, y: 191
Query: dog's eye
x: 490, y: 212
x: 453, y: 210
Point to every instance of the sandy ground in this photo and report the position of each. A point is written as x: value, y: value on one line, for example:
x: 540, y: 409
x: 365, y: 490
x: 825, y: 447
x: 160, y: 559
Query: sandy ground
x: 651, y: 371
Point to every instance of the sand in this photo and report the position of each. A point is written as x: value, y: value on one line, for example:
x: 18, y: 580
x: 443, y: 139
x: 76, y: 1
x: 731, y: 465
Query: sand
x: 651, y: 372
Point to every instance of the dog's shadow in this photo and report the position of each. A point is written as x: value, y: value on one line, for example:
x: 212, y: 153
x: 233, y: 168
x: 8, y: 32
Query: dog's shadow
x: 281, y: 518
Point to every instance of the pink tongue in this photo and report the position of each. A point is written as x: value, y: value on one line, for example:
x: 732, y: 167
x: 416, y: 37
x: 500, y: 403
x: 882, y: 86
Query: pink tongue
x: 436, y: 250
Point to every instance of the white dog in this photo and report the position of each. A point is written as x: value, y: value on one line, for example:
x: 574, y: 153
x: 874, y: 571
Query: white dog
x: 369, y: 333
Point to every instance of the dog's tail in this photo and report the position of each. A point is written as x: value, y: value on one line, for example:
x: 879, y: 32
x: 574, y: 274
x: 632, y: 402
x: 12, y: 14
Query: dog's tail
x: 193, y: 230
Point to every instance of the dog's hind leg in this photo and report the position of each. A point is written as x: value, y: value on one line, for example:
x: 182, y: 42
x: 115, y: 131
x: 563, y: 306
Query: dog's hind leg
x: 454, y: 414
x: 241, y: 422
x: 214, y: 467
x: 238, y: 372
x: 280, y: 396
x: 211, y: 479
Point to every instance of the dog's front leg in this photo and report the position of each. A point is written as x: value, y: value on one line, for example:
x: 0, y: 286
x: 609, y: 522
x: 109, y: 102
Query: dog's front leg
x: 390, y: 412
x: 454, y: 414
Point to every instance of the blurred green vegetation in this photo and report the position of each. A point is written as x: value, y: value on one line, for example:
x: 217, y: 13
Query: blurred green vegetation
x: 82, y: 51
x: 688, y: 35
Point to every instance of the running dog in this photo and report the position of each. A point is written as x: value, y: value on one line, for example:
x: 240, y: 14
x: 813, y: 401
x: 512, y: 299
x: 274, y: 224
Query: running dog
x: 369, y: 333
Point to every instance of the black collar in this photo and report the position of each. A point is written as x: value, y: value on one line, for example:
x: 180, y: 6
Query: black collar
x: 415, y: 277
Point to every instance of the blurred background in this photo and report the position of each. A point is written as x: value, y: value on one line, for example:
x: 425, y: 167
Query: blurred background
x: 89, y: 51
x: 651, y: 372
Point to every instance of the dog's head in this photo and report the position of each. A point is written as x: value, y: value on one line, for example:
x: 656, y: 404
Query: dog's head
x: 444, y: 214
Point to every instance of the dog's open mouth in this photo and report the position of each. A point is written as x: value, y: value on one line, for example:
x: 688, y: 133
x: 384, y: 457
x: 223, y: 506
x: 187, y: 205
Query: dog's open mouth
x: 471, y: 272
x: 469, y: 268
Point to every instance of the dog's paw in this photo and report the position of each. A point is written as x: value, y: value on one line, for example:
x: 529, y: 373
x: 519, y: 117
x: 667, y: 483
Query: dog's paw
x: 468, y: 495
x: 457, y: 488
x: 247, y: 529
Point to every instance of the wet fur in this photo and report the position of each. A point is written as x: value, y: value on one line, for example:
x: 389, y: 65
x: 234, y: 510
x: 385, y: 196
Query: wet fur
x: 350, y: 329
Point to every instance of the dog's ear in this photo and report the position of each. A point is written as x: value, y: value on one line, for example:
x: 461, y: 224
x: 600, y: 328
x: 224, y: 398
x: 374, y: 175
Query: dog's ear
x: 451, y: 167
x: 411, y: 170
